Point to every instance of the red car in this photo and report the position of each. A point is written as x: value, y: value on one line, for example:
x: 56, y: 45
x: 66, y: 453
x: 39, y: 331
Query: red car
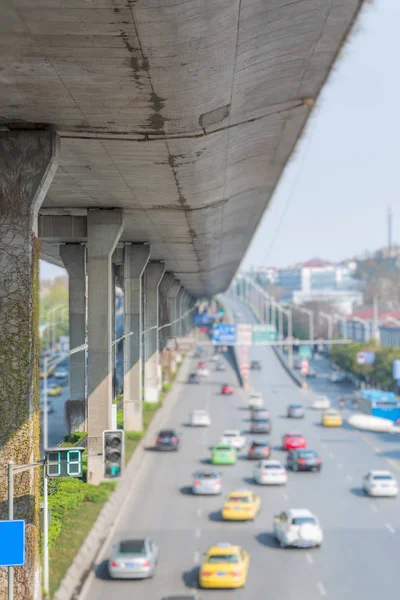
x: 201, y: 365
x: 293, y: 441
x: 227, y: 390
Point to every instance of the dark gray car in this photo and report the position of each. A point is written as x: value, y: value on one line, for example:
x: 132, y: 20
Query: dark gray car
x: 260, y: 426
x: 295, y: 411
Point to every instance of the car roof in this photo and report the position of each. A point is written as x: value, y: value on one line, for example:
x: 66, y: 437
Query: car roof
x: 223, y: 445
x: 223, y: 548
x: 296, y: 405
x: 380, y: 472
x: 241, y: 493
x: 331, y: 411
x: 199, y: 411
x: 296, y: 433
x: 231, y: 432
x: 300, y: 512
x: 271, y: 462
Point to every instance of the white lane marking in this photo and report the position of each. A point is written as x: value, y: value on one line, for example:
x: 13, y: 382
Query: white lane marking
x: 321, y: 588
x: 285, y: 496
x: 374, y: 508
x: 349, y: 477
x: 339, y: 466
x: 394, y: 463
x: 390, y: 528
x: 331, y: 455
x: 199, y: 512
x: 197, y: 532
x: 309, y: 558
x: 370, y: 443
x: 196, y: 558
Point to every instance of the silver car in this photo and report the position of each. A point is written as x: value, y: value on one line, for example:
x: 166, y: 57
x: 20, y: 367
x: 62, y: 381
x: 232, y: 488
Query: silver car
x: 133, y: 559
x: 295, y: 411
x: 207, y: 482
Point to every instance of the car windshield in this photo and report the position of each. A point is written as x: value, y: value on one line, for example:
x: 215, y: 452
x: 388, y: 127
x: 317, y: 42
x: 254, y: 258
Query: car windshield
x: 204, y: 475
x: 132, y: 547
x: 308, y: 454
x: 303, y: 520
x: 382, y: 477
x: 167, y: 433
x: 223, y: 558
x: 243, y: 499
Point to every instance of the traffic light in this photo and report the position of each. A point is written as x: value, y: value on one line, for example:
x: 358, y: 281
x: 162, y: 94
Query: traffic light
x: 113, y: 453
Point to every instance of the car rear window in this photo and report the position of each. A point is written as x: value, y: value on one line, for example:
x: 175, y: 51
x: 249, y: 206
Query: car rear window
x: 295, y: 406
x: 383, y: 477
x: 303, y: 520
x: 167, y: 433
x: 206, y: 475
x: 307, y: 454
x: 132, y: 547
x: 242, y: 499
x: 272, y: 466
x: 262, y: 420
x: 223, y: 558
x: 223, y: 448
x: 259, y: 445
x: 294, y: 435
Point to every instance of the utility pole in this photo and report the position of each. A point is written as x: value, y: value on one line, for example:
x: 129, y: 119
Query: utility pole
x: 389, y: 225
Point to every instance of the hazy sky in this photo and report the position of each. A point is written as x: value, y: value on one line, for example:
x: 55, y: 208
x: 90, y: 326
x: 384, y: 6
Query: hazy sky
x: 346, y: 168
x: 333, y: 197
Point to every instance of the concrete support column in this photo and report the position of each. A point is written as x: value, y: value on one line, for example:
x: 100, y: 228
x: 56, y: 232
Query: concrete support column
x: 104, y: 230
x: 189, y: 317
x: 136, y: 257
x: 164, y: 317
x: 28, y: 162
x: 74, y: 259
x: 151, y: 281
x: 172, y: 306
x: 179, y: 311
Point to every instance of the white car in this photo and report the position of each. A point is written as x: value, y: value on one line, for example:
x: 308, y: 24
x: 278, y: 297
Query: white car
x: 298, y: 527
x: 234, y: 438
x: 270, y: 472
x: 215, y: 358
x: 203, y: 372
x: 256, y: 400
x: 321, y: 403
x: 61, y: 374
x: 380, y: 483
x: 199, y: 418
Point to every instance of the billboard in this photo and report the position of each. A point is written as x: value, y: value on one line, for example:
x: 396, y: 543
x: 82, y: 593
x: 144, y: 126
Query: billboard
x: 365, y: 358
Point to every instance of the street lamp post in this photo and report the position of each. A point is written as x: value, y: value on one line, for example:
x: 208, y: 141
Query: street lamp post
x: 310, y: 313
x: 288, y: 314
x: 366, y: 326
x: 329, y: 318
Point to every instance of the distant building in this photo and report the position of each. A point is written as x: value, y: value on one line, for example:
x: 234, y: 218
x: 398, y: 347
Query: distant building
x: 360, y: 326
x: 390, y: 335
x: 317, y: 274
x: 344, y: 301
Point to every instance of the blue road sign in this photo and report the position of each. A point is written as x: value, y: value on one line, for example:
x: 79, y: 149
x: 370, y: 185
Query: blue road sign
x: 201, y: 319
x: 224, y: 333
x: 12, y: 547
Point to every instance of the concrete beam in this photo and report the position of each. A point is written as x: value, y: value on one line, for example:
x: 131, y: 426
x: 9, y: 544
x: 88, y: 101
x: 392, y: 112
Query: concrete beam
x: 28, y: 162
x: 151, y: 281
x: 135, y: 261
x: 104, y: 230
x: 74, y: 260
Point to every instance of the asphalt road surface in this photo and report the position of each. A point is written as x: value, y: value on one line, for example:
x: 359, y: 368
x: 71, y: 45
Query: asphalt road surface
x: 359, y: 556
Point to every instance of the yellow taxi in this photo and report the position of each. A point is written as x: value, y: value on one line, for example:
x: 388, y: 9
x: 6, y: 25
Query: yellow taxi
x: 331, y: 418
x: 242, y: 505
x: 225, y: 566
x: 53, y: 389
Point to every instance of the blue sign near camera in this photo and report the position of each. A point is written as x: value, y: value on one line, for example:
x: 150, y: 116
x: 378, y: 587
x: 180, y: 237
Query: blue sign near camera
x: 12, y: 547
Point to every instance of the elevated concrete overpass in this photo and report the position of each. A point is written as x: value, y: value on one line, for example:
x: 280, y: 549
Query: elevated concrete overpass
x: 141, y: 139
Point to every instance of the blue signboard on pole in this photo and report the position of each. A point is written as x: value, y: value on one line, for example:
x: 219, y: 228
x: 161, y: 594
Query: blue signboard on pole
x: 12, y: 547
x: 201, y: 318
x: 224, y: 334
x: 396, y: 369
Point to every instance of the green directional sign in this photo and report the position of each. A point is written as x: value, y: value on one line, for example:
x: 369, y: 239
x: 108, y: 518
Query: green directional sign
x: 305, y: 352
x: 263, y: 334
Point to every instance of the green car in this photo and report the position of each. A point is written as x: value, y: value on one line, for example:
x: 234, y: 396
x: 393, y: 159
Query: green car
x: 223, y: 454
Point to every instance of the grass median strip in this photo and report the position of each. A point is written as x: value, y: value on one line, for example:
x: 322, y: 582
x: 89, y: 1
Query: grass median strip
x: 75, y: 504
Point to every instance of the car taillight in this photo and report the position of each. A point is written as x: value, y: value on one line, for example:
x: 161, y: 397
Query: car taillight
x: 236, y: 573
x: 218, y: 482
x: 159, y: 440
x: 196, y: 483
x: 114, y: 564
x: 264, y: 472
x: 206, y: 573
x: 175, y: 440
x: 146, y: 563
x: 248, y: 508
x: 282, y: 472
x: 301, y: 461
x: 319, y: 460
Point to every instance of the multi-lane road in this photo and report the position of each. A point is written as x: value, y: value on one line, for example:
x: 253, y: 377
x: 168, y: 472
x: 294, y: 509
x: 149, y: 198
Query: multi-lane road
x: 359, y: 557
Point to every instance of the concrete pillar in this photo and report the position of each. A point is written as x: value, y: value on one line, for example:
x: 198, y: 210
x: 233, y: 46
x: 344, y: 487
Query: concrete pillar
x: 136, y: 257
x: 151, y: 281
x: 172, y: 306
x: 164, y: 317
x: 28, y: 162
x: 74, y: 259
x: 189, y: 316
x: 179, y: 311
x: 104, y: 228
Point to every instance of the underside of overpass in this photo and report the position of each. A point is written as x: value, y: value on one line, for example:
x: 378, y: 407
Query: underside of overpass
x: 147, y: 136
x: 181, y: 112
